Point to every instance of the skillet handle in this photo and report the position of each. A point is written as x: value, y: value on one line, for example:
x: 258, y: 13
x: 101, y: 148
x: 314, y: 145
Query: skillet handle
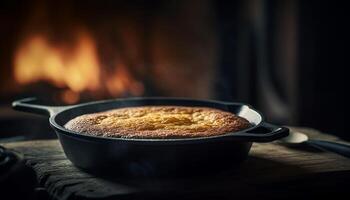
x: 25, y: 105
x: 266, y: 133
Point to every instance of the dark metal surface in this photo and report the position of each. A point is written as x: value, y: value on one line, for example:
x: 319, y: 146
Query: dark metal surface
x: 155, y: 157
x: 341, y: 149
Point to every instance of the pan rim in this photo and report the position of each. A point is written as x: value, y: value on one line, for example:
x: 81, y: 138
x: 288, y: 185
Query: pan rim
x: 231, y: 135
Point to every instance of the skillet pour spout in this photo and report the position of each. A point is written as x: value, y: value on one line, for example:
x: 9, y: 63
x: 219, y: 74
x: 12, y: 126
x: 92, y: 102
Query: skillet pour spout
x: 140, y: 157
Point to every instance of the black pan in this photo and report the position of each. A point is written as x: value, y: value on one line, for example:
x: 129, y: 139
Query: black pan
x: 155, y: 157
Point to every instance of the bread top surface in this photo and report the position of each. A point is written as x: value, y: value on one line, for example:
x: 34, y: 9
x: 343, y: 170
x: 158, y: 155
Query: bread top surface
x: 158, y: 122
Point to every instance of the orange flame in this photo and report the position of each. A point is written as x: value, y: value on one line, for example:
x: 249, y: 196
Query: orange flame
x: 77, y: 68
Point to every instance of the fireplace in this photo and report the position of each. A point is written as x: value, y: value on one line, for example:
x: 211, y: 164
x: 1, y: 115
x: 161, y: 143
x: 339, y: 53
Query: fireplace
x: 69, y: 52
x: 272, y: 55
x: 127, y: 50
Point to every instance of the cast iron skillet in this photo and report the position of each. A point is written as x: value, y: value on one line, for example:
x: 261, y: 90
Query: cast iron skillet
x: 155, y: 157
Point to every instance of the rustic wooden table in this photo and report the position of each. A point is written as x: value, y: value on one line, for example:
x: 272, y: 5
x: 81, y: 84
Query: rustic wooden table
x: 271, y: 170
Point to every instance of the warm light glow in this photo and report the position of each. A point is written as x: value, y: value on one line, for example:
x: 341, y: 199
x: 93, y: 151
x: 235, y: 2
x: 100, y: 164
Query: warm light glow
x: 70, y: 97
x: 123, y: 83
x: 74, y: 67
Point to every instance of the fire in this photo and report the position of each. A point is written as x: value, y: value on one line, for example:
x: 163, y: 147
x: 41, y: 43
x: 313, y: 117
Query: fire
x: 75, y: 68
x: 117, y: 86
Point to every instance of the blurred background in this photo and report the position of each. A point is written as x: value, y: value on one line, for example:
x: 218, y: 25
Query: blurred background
x: 286, y: 58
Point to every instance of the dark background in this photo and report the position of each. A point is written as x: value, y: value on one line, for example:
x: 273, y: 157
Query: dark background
x: 286, y: 58
x: 317, y: 96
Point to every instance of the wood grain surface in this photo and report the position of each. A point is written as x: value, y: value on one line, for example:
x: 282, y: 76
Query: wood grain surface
x: 272, y: 169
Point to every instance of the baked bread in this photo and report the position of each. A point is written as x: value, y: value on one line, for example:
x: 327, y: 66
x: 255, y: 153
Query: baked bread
x: 158, y: 122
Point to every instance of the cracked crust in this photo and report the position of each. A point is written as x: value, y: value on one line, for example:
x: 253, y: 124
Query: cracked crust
x: 158, y: 122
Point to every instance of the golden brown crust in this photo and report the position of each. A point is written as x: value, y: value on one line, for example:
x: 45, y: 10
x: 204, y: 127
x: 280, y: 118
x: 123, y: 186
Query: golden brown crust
x: 158, y: 122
